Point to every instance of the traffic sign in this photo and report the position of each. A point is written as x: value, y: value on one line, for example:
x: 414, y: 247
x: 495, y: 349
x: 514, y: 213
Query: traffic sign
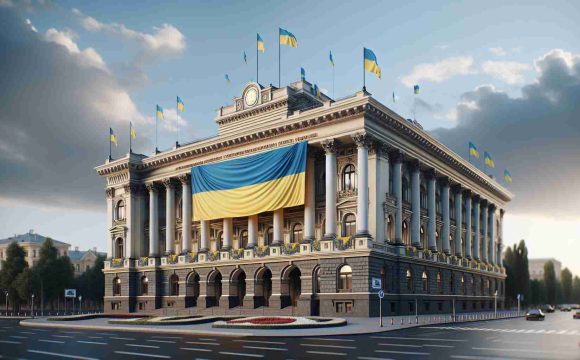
x: 381, y: 294
x: 377, y: 283
x: 70, y: 293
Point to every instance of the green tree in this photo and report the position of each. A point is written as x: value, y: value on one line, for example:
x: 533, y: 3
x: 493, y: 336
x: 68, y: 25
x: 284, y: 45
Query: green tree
x: 550, y: 282
x: 576, y: 290
x: 14, y: 264
x: 91, y: 284
x: 26, y: 284
x: 537, y: 292
x: 54, y: 272
x: 566, y: 280
x: 518, y: 276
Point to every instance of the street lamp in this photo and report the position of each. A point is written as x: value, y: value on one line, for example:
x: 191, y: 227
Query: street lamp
x: 32, y: 307
x: 495, y: 304
x: 6, y: 292
x: 80, y: 304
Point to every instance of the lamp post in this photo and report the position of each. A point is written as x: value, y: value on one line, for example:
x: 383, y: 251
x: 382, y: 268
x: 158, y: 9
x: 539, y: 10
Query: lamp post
x: 6, y: 293
x: 80, y: 304
x: 495, y: 304
x: 32, y: 307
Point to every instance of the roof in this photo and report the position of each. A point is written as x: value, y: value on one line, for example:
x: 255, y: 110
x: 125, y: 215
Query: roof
x: 30, y: 237
x: 76, y: 255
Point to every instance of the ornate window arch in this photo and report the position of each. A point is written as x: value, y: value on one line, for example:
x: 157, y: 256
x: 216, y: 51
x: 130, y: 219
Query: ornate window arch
x: 409, y: 278
x: 425, y: 281
x: 345, y: 279
x: 349, y: 178
x: 116, y: 286
x: 144, y: 286
x: 390, y: 228
x: 439, y: 283
x: 119, y: 248
x: 297, y: 233
x: 120, y: 210
x: 316, y: 280
x: 243, y: 243
x: 349, y: 225
x: 174, y: 285
x: 406, y: 238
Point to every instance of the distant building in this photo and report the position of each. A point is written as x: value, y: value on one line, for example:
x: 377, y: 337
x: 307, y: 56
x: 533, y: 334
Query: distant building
x: 31, y: 243
x: 536, y: 268
x: 83, y: 260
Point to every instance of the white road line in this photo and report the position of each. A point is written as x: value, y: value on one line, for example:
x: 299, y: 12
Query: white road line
x: 551, y: 332
x: 121, y: 338
x: 163, y: 341
x: 142, y: 354
x: 415, y: 338
x: 197, y: 349
x: 71, y: 332
x: 52, y: 341
x: 261, y: 342
x: 522, y: 350
x: 264, y: 348
x: 61, y: 355
x: 143, y: 346
x: 573, y: 332
x: 439, y: 346
x: 330, y: 346
x: 206, y: 339
x: 372, y: 358
x: 561, y: 332
x: 471, y: 357
x: 167, y: 337
x: 326, y: 353
x: 513, y: 342
x: 27, y: 332
x: 202, y: 343
x: 106, y: 334
x: 10, y: 342
x: 63, y: 336
x: 95, y: 337
x: 241, y: 354
x: 18, y: 337
x: 400, y: 345
x: 92, y: 342
x: 403, y: 352
x: 329, y: 339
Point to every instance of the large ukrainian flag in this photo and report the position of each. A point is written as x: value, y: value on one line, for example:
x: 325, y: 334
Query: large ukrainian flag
x: 250, y: 185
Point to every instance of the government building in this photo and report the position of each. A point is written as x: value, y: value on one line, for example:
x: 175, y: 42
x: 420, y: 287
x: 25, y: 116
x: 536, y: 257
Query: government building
x: 383, y: 205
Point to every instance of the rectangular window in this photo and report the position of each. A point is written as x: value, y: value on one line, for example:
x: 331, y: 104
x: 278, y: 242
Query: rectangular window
x: 343, y: 307
x: 141, y: 306
x: 115, y: 306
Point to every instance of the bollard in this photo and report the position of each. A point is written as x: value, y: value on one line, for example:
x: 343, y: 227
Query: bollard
x: 401, y: 320
x: 416, y: 319
x: 392, y: 321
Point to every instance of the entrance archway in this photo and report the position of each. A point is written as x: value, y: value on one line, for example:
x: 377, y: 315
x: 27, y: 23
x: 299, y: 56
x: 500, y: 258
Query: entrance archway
x: 263, y: 287
x: 191, y: 289
x: 214, y: 289
x: 291, y: 286
x: 237, y: 288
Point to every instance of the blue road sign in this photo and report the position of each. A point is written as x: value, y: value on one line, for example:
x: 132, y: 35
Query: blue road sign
x: 381, y: 294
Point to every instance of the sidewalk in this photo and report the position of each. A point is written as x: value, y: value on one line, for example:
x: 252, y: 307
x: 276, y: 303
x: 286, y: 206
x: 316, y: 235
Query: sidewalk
x: 354, y: 326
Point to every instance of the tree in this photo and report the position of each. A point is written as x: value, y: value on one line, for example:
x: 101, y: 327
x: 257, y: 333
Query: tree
x: 54, y: 273
x: 26, y: 284
x: 550, y: 282
x: 537, y: 292
x: 518, y: 276
x: 566, y: 280
x: 576, y: 290
x: 91, y: 284
x: 14, y: 264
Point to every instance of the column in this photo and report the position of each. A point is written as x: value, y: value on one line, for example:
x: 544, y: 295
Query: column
x: 132, y: 247
x: 492, y: 234
x: 309, y: 206
x: 228, y: 233
x: 476, y: 254
x: 484, y: 223
x: 169, y: 215
x: 432, y: 210
x: 398, y: 190
x: 187, y: 214
x: 445, y: 231
x: 362, y: 199
x: 204, y: 246
x: 278, y: 231
x: 458, y: 220
x: 330, y: 158
x: 468, y: 224
x: 500, y: 239
x: 252, y: 231
x: 110, y: 193
x: 378, y: 189
x: 153, y: 221
x: 416, y: 205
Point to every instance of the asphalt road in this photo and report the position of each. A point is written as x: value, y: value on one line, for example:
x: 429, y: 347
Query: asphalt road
x: 558, y: 337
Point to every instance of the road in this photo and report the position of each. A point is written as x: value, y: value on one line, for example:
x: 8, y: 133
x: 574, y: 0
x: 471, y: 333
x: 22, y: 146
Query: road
x: 558, y: 337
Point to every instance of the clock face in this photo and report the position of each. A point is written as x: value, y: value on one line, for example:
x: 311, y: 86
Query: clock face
x: 251, y: 97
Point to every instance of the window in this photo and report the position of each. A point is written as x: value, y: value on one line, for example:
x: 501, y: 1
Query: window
x: 349, y: 178
x: 390, y: 177
x: 463, y: 289
x: 144, y: 285
x: 120, y: 210
x: 462, y: 246
x: 349, y: 225
x: 87, y: 268
x: 405, y: 187
x: 119, y: 249
x: 423, y: 237
x: 34, y: 253
x: 409, y: 280
x: 174, y: 285
x: 243, y: 239
x: 406, y: 239
x: 297, y: 233
x: 425, y: 281
x: 345, y: 279
x: 451, y: 244
x: 78, y: 267
x: 452, y: 208
x: 384, y: 278
x: 343, y: 306
x: 269, y: 236
x: 482, y: 287
x: 321, y: 184
x: 116, y: 286
x: 390, y: 228
x: 463, y: 212
x: 452, y: 284
x: 316, y: 281
x: 179, y: 210
x: 439, y: 283
x: 438, y: 241
x: 473, y: 285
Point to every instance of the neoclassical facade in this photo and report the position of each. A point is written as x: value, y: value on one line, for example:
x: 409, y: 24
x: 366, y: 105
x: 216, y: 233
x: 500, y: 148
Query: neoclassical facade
x: 383, y: 200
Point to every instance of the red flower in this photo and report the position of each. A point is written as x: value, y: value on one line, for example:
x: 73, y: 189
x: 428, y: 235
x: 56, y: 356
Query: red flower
x: 263, y: 321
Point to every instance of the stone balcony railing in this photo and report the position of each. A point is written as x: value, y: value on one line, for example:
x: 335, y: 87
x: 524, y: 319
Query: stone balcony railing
x: 338, y: 245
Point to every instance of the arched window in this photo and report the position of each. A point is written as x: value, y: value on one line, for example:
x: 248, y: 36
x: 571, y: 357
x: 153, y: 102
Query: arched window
x: 439, y: 283
x: 405, y: 188
x: 269, y: 236
x: 406, y: 239
x: 316, y: 280
x: 409, y: 280
x: 349, y: 225
x: 463, y: 290
x: 384, y: 278
x: 423, y: 194
x: 349, y: 178
x: 297, y: 233
x: 144, y: 285
x: 438, y: 241
x: 120, y: 210
x: 243, y: 239
x: 345, y: 279
x: 179, y: 209
x: 451, y: 244
x: 174, y: 285
x: 390, y: 228
x: 119, y: 248
x: 423, y: 237
x: 425, y: 281
x: 116, y: 286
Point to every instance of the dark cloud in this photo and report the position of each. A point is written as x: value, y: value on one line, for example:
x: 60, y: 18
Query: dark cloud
x: 54, y: 122
x: 536, y: 136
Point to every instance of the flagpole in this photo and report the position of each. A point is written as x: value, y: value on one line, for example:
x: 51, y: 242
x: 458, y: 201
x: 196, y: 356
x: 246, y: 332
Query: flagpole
x: 110, y: 146
x: 156, y: 120
x: 333, y: 80
x: 177, y: 125
x: 279, y: 59
x: 257, y: 61
x: 130, y: 138
x: 364, y: 79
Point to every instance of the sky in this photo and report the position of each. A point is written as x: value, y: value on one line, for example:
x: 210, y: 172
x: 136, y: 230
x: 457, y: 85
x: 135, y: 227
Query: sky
x: 506, y: 77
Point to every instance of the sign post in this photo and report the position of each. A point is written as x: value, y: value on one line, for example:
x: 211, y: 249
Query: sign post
x: 381, y: 296
x: 519, y: 298
x: 69, y: 293
x: 495, y: 304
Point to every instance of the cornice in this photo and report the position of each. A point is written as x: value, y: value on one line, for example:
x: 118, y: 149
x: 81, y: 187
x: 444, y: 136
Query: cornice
x: 251, y: 112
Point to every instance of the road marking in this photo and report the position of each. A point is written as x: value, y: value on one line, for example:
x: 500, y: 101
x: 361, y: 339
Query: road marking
x: 264, y: 348
x: 471, y: 357
x: 372, y: 358
x: 95, y: 337
x: 439, y: 346
x: 326, y: 353
x: 202, y: 343
x: 121, y: 338
x: 261, y: 342
x: 561, y: 332
x: 403, y: 352
x: 197, y: 349
x: 106, y: 334
x: 163, y: 341
x: 521, y: 350
x: 27, y: 332
x: 143, y: 346
x: 18, y: 337
x: 142, y: 354
x: 241, y: 354
x: 71, y: 332
x: 10, y: 342
x: 400, y: 345
x: 61, y: 355
x: 573, y: 332
x: 415, y: 338
x: 330, y: 346
x: 63, y: 336
x: 207, y: 339
x: 167, y: 337
x: 52, y: 341
x: 530, y: 331
x: 551, y: 332
x: 513, y: 342
x: 92, y: 342
x: 329, y: 339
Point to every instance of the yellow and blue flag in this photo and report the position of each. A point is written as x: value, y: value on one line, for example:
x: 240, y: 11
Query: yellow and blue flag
x: 416, y: 89
x: 473, y: 150
x: 245, y: 58
x: 180, y: 104
x: 331, y: 58
x: 113, y: 137
x: 394, y: 98
x: 507, y: 176
x: 132, y: 130
x: 159, y: 113
x: 316, y: 90
x: 488, y: 161
x: 371, y: 64
x: 250, y: 185
x: 228, y: 78
x: 287, y: 38
x: 260, y: 43
x: 302, y: 74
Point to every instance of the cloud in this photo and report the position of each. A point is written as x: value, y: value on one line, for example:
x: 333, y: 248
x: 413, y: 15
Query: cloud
x: 510, y: 72
x: 439, y: 71
x: 29, y: 23
x: 87, y: 57
x: 56, y: 111
x: 536, y: 136
x: 498, y: 51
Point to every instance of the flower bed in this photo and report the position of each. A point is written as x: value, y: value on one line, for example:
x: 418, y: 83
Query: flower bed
x: 172, y: 320
x: 94, y: 316
x: 279, y: 322
x: 264, y: 320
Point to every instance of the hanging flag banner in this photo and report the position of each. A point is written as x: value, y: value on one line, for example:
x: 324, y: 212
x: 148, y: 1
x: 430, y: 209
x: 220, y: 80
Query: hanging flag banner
x: 249, y: 185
